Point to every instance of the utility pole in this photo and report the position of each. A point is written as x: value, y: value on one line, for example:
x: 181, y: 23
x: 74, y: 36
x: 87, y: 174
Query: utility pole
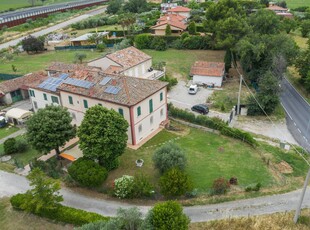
x: 297, y: 213
x: 239, y: 95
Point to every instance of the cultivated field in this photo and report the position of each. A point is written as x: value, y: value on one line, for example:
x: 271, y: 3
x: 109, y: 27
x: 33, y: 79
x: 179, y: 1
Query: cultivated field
x: 297, y: 3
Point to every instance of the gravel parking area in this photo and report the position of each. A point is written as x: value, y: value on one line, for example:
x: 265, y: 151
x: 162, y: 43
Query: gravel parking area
x: 180, y: 98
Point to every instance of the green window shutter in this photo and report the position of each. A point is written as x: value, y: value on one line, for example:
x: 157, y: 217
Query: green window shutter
x: 85, y: 104
x: 151, y: 105
x: 33, y: 93
x: 45, y: 97
x: 121, y: 111
x: 55, y: 99
x: 139, y: 111
x: 161, y: 96
x: 70, y: 100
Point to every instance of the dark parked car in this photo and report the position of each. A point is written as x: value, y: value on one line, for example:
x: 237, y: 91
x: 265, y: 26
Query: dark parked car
x: 203, y: 109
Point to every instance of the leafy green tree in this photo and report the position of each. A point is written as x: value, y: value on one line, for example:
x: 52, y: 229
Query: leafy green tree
x: 193, y: 5
x: 9, y: 146
x: 227, y: 60
x: 80, y: 57
x: 142, y: 41
x: 32, y: 44
x: 103, y: 135
x: 50, y: 128
x: 158, y: 44
x: 126, y: 21
x: 101, y: 47
x: 265, y: 22
x: 166, y: 215
x: 96, y: 38
x: 43, y: 195
x: 114, y: 6
x: 192, y: 28
x: 169, y: 156
x: 168, y: 30
x: 136, y: 6
x: 175, y: 183
x: 305, y: 28
x: 87, y: 172
x: 302, y: 64
x: 289, y: 25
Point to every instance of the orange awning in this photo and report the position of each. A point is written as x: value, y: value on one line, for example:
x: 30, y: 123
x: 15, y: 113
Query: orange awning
x: 67, y: 156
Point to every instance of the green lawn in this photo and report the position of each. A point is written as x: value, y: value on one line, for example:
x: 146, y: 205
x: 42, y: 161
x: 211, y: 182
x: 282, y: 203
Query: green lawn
x: 6, y: 131
x: 209, y: 157
x: 297, y: 3
x: 34, y: 62
x: 11, y: 219
x: 15, y: 4
x: 179, y: 62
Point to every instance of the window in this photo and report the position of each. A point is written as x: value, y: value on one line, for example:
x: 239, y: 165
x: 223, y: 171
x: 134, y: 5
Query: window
x: 121, y: 111
x: 140, y: 128
x: 151, y: 105
x: 161, y: 96
x: 161, y: 112
x: 45, y: 96
x: 55, y: 99
x: 70, y: 100
x: 85, y: 104
x: 31, y: 92
x: 100, y: 104
x: 35, y: 105
x: 139, y: 111
x: 151, y: 120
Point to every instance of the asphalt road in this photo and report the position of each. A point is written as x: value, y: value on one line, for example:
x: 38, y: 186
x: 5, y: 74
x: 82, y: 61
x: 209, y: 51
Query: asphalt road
x: 41, y: 9
x: 55, y: 27
x: 298, y: 114
x: 11, y: 184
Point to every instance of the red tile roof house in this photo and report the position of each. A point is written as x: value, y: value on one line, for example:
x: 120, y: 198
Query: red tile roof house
x: 17, y: 89
x: 142, y: 102
x: 180, y: 10
x: 129, y: 62
x: 177, y: 24
x: 280, y: 11
x: 209, y: 73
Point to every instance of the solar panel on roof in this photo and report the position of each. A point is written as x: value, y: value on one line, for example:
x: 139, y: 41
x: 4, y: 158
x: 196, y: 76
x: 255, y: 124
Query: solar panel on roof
x: 112, y: 89
x: 105, y: 80
x: 79, y: 83
x: 51, y: 84
x: 63, y: 76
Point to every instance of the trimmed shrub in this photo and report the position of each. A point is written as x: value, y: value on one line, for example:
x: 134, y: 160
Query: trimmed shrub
x: 21, y: 145
x: 167, y: 215
x: 141, y: 187
x: 169, y: 156
x: 220, y: 186
x: 123, y: 187
x: 253, y: 188
x: 51, y: 167
x: 175, y: 183
x: 87, y: 172
x: 10, y: 146
x: 143, y: 41
x: 158, y: 44
x: 171, y: 81
x: 60, y: 213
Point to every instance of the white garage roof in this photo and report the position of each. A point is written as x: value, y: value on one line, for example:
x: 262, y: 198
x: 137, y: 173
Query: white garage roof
x: 85, y: 37
x: 18, y: 113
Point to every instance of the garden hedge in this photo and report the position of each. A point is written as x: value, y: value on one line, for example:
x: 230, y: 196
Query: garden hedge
x: 212, y: 123
x: 61, y: 213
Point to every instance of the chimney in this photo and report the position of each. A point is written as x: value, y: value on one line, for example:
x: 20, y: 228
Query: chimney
x: 113, y: 82
x: 168, y: 18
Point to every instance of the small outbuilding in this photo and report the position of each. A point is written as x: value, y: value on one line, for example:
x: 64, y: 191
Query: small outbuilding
x: 17, y: 116
x: 208, y: 73
x: 84, y: 39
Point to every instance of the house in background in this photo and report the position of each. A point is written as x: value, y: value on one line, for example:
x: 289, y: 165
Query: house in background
x: 17, y: 89
x: 129, y: 62
x: 209, y: 73
x: 176, y: 22
x: 141, y: 102
x: 280, y: 11
x: 84, y: 39
x: 180, y: 10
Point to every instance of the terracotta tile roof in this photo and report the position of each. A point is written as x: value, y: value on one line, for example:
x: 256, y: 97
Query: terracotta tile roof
x: 202, y: 68
x: 172, y: 17
x: 276, y: 8
x: 112, y: 69
x: 65, y: 67
x: 179, y: 9
x: 132, y: 89
x: 176, y: 24
x: 23, y: 82
x: 128, y: 57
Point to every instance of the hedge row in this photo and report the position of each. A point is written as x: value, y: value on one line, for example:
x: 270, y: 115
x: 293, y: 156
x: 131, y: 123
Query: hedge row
x: 212, y: 123
x: 61, y: 213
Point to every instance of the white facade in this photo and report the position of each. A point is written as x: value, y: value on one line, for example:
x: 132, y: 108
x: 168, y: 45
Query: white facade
x: 40, y: 99
x: 209, y: 80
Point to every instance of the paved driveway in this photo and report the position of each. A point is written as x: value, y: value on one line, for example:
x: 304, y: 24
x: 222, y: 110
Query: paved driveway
x: 180, y: 98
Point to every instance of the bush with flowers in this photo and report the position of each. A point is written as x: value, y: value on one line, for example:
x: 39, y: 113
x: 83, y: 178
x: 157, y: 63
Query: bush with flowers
x: 123, y: 186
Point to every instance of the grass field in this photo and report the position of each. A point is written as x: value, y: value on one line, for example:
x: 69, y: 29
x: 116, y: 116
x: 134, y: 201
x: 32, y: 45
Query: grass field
x: 15, y: 4
x: 179, y: 62
x: 297, y: 3
x: 209, y: 157
x: 275, y: 221
x: 5, y: 131
x: 11, y: 219
x: 34, y: 62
